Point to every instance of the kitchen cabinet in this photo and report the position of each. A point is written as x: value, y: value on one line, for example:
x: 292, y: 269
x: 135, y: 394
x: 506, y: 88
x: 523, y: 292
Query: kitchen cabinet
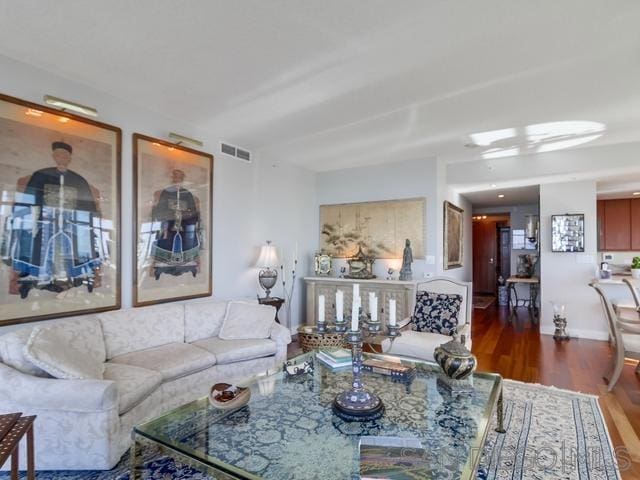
x: 619, y: 224
x: 635, y: 224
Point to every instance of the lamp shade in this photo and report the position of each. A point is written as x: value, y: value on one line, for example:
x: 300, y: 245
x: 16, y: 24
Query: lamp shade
x: 268, y: 256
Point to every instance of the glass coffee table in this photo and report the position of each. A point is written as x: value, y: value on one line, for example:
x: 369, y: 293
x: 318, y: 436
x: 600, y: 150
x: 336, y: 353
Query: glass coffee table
x: 288, y: 429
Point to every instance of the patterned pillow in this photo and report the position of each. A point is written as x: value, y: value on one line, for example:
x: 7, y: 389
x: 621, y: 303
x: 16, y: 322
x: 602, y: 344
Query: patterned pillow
x: 436, y: 313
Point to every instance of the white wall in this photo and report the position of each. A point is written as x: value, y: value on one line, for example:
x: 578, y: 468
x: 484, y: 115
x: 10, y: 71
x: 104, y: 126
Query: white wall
x: 252, y: 202
x: 408, y: 179
x: 565, y: 277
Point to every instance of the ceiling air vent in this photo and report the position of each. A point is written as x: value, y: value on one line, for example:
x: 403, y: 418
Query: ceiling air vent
x: 236, y: 152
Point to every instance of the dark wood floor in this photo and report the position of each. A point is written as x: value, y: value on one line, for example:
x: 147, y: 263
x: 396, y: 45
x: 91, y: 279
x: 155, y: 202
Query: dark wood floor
x: 517, y: 351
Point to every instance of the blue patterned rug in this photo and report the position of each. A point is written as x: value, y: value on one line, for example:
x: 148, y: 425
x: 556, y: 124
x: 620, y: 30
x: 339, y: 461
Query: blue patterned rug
x: 551, y: 435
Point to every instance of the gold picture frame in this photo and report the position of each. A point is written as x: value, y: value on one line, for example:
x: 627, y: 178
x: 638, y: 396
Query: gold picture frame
x: 60, y: 228
x: 453, y: 236
x: 173, y: 202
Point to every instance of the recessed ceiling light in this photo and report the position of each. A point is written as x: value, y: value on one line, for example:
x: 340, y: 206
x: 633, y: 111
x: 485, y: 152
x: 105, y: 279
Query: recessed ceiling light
x: 493, y: 185
x: 501, y: 195
x: 636, y: 193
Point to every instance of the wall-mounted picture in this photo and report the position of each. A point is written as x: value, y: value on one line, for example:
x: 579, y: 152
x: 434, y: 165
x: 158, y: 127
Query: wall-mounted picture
x: 453, y: 236
x: 379, y: 228
x: 173, y: 188
x: 59, y: 214
x: 567, y: 233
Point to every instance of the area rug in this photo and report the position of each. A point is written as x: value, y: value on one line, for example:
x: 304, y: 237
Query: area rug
x: 483, y: 301
x: 551, y: 434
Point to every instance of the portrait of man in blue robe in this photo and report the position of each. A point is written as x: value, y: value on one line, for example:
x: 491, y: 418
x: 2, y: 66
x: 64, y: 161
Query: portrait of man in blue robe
x: 176, y: 219
x: 52, y: 241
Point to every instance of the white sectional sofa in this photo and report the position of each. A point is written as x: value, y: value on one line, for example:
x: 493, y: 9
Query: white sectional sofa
x: 154, y: 358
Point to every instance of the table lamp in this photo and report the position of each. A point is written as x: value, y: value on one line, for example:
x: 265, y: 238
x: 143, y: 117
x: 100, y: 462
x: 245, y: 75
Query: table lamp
x: 266, y: 261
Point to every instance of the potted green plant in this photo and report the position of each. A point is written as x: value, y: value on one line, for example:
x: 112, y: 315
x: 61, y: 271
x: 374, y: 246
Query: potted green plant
x: 635, y: 267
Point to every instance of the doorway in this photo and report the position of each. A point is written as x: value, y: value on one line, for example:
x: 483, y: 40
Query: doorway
x: 491, y: 255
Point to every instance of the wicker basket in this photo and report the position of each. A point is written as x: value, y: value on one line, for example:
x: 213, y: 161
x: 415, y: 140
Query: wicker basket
x: 311, y: 340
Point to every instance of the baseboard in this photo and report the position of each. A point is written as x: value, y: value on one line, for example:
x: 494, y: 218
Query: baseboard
x: 577, y: 333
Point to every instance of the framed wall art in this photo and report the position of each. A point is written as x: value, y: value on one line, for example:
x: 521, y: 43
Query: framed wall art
x: 453, y: 235
x: 567, y: 233
x: 59, y: 213
x: 378, y: 228
x: 173, y: 188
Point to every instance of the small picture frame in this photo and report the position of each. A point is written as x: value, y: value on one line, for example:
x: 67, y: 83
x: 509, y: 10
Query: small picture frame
x: 322, y: 264
x: 567, y: 233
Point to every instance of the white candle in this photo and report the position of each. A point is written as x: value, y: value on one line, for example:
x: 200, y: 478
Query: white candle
x: 321, y: 309
x: 372, y: 295
x: 392, y: 312
x: 373, y: 308
x: 356, y: 292
x: 340, y: 305
x: 354, y: 317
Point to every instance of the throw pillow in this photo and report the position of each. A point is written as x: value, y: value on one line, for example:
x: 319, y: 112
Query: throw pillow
x: 48, y: 349
x: 436, y: 313
x: 11, y: 347
x: 246, y: 321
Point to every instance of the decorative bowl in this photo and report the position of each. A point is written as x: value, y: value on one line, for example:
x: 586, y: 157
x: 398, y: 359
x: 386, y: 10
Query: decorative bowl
x: 226, y: 396
x: 457, y: 363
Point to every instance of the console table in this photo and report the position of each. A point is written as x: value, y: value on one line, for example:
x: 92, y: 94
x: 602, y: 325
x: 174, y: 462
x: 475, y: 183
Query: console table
x: 530, y: 303
x: 404, y: 293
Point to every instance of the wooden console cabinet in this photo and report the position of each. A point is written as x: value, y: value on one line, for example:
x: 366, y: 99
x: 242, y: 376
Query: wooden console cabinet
x: 403, y: 292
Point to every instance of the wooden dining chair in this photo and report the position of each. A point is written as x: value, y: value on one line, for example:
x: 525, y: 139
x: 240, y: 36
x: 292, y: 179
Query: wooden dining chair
x: 624, y: 335
x: 633, y: 285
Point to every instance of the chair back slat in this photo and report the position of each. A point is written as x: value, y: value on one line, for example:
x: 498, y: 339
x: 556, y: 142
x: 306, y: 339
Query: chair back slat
x: 609, y: 312
x: 634, y: 291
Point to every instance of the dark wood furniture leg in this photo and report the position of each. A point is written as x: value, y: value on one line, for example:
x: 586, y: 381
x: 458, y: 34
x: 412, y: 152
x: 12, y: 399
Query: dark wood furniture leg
x: 31, y: 464
x: 15, y: 462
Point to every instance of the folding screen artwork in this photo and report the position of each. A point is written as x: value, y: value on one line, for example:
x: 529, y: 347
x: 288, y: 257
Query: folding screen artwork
x: 173, y: 188
x: 59, y: 213
x: 380, y: 228
x: 453, y: 236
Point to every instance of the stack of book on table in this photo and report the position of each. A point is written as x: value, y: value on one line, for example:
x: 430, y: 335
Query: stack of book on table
x: 394, y: 369
x: 335, y: 358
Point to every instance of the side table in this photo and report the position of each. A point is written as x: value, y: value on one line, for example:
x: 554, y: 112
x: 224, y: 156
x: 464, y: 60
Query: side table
x: 273, y: 302
x: 13, y: 428
x: 530, y: 303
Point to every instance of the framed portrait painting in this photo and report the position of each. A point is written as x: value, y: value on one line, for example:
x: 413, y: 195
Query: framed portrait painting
x: 453, y: 236
x: 173, y: 188
x: 59, y: 213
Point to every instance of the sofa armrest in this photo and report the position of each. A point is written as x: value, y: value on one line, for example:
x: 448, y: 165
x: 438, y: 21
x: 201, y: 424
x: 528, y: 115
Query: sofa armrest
x: 28, y: 392
x: 280, y: 334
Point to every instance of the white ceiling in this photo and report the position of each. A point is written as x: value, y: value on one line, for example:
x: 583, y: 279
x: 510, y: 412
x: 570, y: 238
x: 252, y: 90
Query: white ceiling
x: 622, y: 186
x: 337, y: 83
x: 512, y: 196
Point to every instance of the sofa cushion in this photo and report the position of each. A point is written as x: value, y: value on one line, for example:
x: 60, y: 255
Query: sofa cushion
x: 134, y: 384
x: 136, y: 329
x: 415, y: 344
x: 244, y: 320
x: 11, y: 352
x: 203, y: 319
x: 230, y: 351
x: 173, y: 360
x: 47, y: 348
x: 436, y: 312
